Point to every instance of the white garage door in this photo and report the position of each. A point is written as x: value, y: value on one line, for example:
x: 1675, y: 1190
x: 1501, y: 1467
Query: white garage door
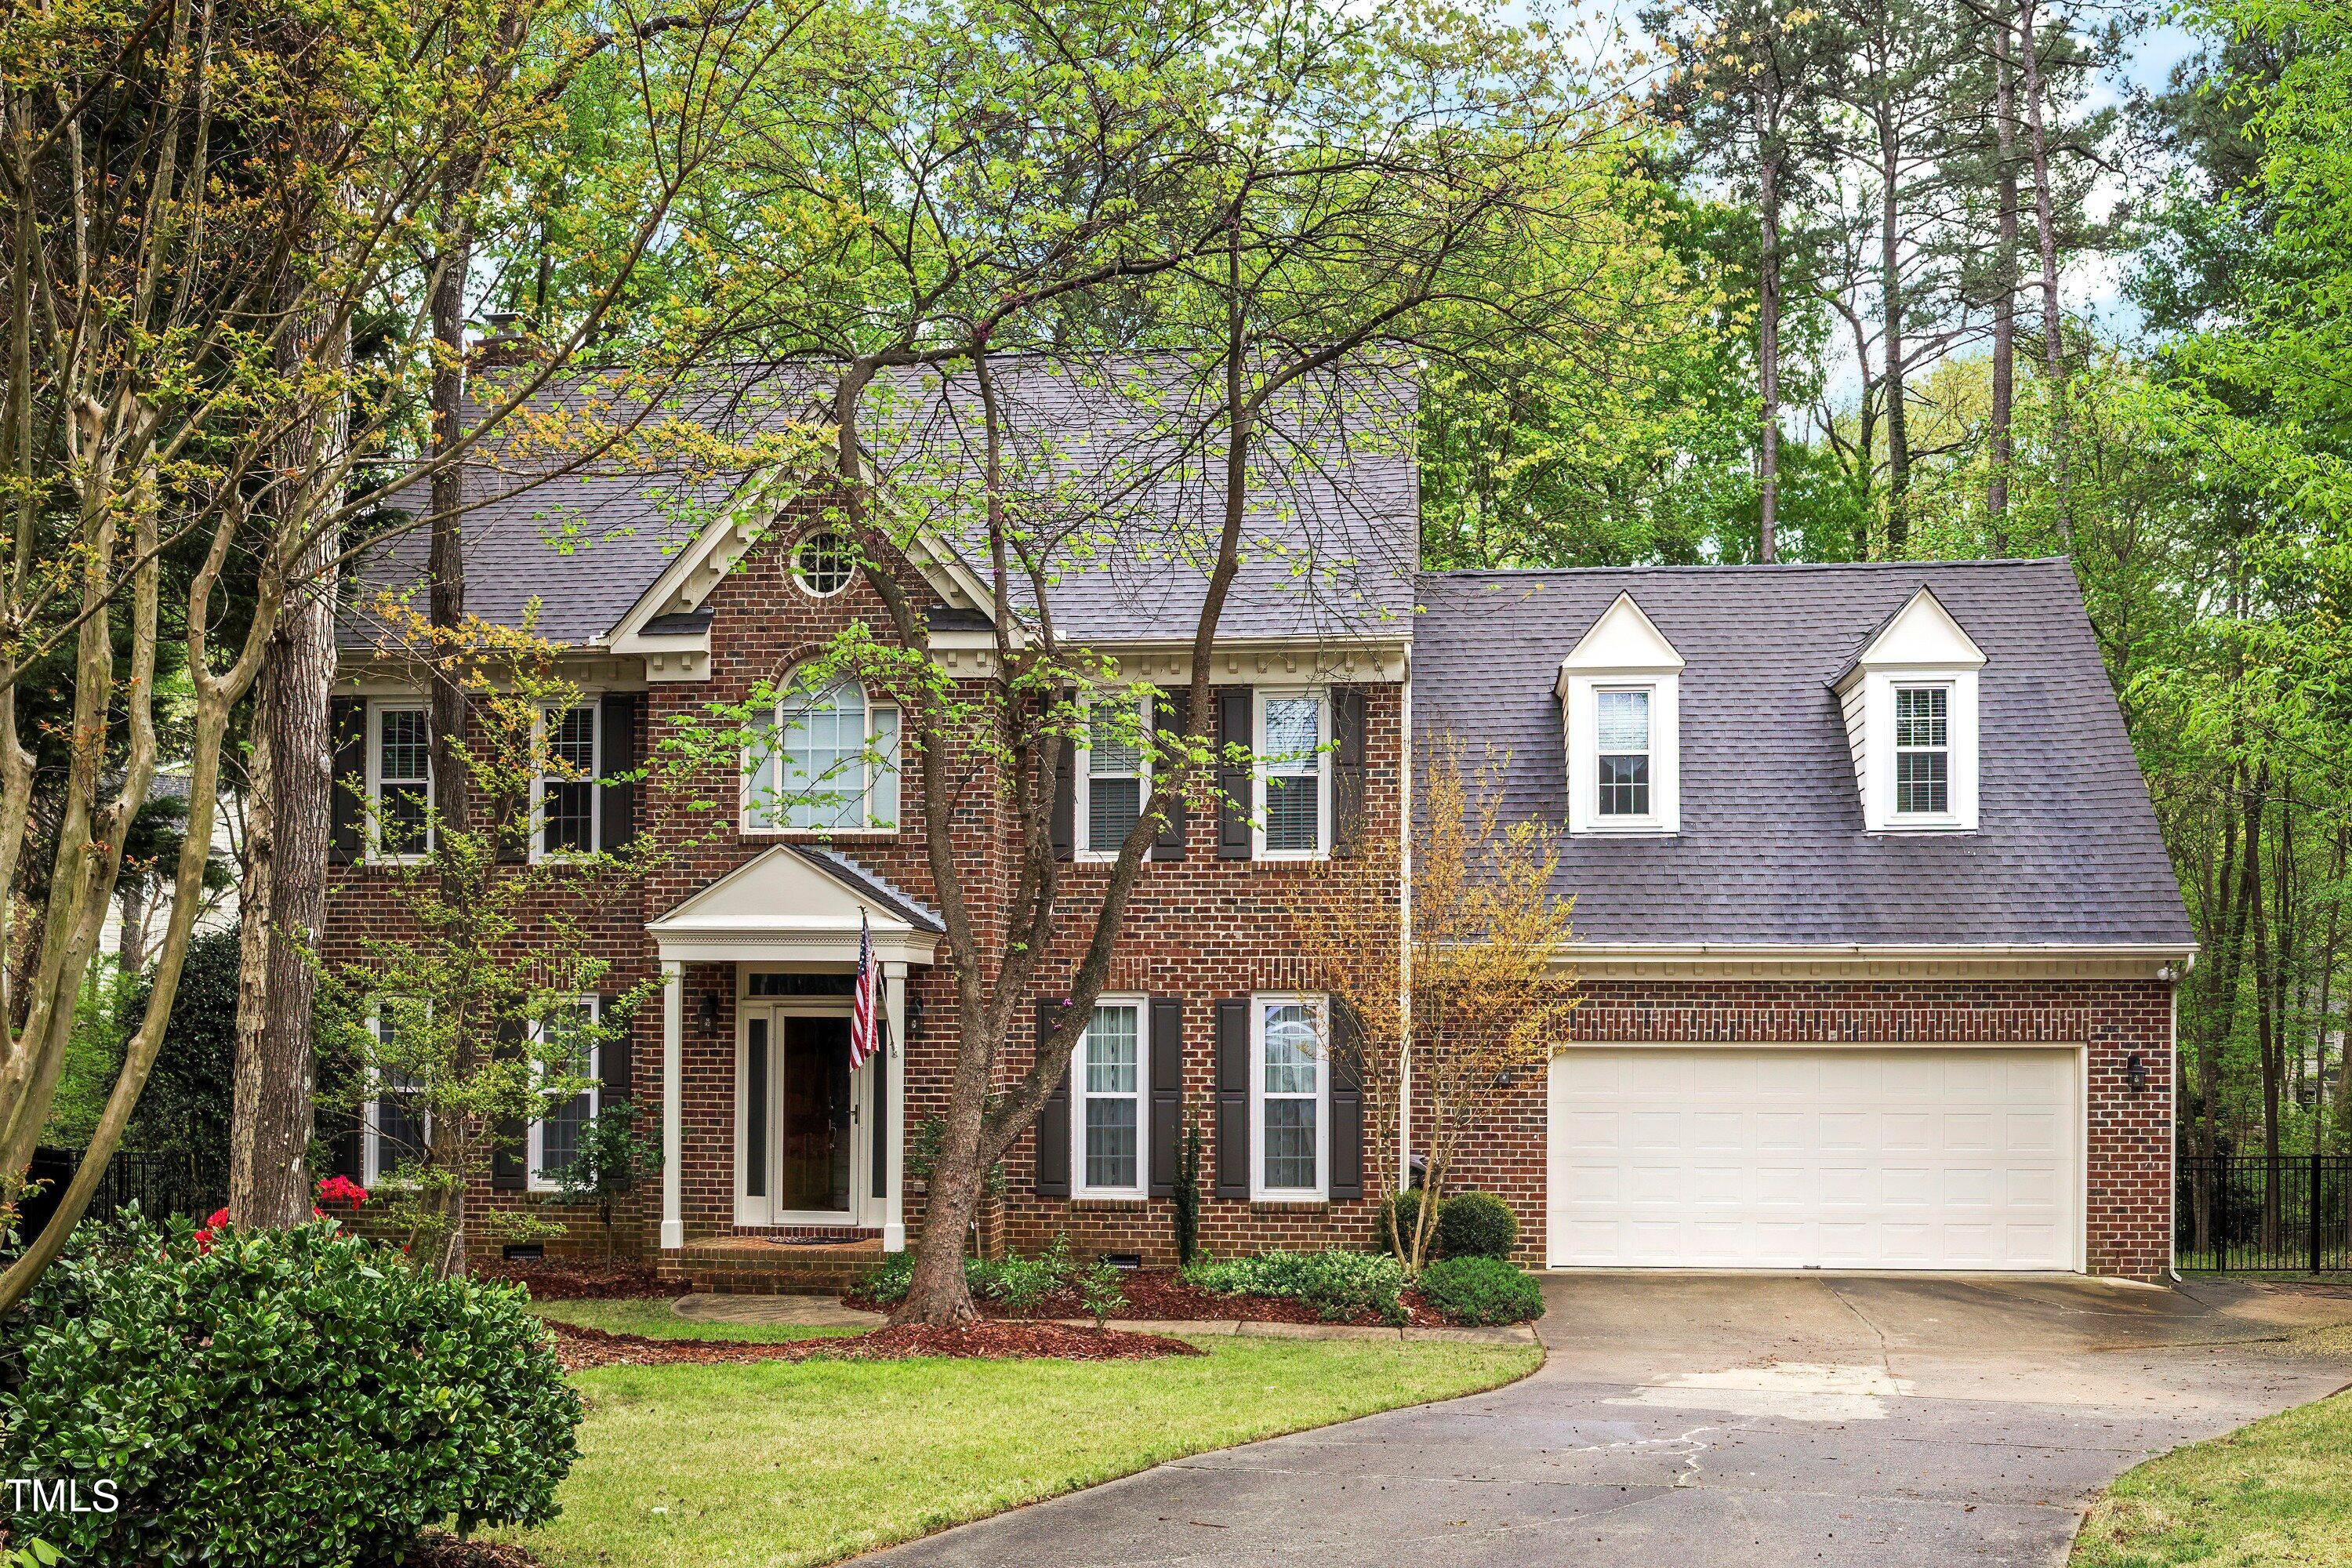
x: 1714, y: 1158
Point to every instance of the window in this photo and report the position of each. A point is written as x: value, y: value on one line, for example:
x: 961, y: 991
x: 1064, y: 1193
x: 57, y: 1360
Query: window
x: 400, y: 779
x: 823, y: 563
x: 396, y: 1127
x: 1116, y: 771
x: 829, y: 763
x: 1293, y: 781
x: 1621, y: 728
x: 564, y: 1050
x: 1108, y: 1086
x: 1922, y: 755
x: 564, y: 796
x: 1291, y: 1098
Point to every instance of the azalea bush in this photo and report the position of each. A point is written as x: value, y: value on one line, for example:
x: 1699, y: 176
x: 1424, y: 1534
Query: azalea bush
x: 277, y: 1398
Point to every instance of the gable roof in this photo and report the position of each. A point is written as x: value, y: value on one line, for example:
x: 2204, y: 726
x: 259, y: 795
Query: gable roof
x: 1329, y: 544
x: 1771, y: 849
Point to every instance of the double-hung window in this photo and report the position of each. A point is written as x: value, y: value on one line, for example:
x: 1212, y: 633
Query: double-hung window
x: 1621, y: 730
x: 563, y: 795
x: 1116, y: 768
x: 1109, y: 1088
x: 400, y: 778
x: 566, y: 1048
x: 1290, y: 1084
x: 1923, y: 751
x: 397, y: 1126
x: 1294, y: 806
x: 828, y: 763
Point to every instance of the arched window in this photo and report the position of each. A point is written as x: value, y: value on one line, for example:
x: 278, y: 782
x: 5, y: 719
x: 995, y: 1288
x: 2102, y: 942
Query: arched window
x: 829, y: 763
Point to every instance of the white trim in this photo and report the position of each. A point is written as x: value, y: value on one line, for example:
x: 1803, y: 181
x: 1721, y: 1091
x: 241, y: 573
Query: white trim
x: 1582, y: 729
x: 894, y: 1197
x: 534, y: 1136
x: 1623, y: 960
x: 1140, y: 1096
x: 777, y: 908
x: 773, y: 1011
x: 808, y: 537
x: 593, y: 703
x: 1260, y: 697
x: 1319, y: 1009
x: 371, y: 1171
x: 376, y: 709
x: 872, y: 772
x: 673, y: 1221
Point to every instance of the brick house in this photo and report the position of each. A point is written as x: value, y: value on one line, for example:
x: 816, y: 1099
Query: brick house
x: 1877, y: 936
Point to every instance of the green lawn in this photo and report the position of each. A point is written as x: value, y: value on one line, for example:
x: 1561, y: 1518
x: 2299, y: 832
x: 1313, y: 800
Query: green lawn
x: 2277, y: 1494
x: 774, y: 1464
x: 655, y: 1321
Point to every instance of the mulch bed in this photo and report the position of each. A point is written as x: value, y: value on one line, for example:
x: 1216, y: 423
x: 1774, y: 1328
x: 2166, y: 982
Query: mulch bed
x: 1158, y: 1296
x: 438, y: 1549
x: 579, y: 1282
x: 578, y: 1348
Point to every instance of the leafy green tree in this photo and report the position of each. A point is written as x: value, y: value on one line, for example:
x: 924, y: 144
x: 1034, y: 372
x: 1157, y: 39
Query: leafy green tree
x: 611, y: 1156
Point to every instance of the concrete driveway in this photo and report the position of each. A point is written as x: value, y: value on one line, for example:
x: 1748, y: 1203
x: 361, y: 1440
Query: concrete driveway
x: 1684, y: 1421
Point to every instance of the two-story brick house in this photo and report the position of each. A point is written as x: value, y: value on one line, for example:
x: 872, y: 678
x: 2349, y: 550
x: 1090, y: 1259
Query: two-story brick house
x: 1878, y: 939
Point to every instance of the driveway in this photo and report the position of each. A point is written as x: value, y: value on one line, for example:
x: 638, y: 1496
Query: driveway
x: 1684, y: 1421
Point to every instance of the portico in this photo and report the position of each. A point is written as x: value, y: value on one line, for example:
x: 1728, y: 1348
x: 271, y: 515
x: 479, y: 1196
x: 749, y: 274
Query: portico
x: 816, y: 1143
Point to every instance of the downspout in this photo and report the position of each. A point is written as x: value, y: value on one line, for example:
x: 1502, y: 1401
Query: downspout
x: 1404, y: 938
x: 2172, y: 1092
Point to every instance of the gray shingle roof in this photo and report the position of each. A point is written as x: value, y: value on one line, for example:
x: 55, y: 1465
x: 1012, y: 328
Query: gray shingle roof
x: 863, y: 879
x: 1772, y: 849
x: 1330, y: 545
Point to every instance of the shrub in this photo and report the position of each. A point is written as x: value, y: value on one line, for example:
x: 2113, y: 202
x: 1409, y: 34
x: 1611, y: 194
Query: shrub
x: 1019, y: 1283
x: 1339, y: 1285
x: 1481, y: 1290
x: 1476, y: 1225
x: 1403, y: 1211
x: 279, y: 1398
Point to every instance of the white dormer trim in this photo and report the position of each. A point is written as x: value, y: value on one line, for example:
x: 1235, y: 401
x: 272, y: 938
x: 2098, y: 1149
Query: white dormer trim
x: 1623, y: 651
x: 1921, y: 646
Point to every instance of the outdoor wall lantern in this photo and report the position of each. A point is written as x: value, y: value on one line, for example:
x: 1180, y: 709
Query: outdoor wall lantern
x: 706, y: 1012
x: 914, y: 1014
x: 2136, y: 1072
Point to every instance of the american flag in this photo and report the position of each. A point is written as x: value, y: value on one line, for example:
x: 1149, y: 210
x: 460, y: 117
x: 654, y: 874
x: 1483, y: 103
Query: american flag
x: 862, y: 1030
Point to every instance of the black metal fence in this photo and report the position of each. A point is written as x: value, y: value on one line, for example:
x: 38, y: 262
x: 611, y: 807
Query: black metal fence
x: 180, y: 1182
x: 2249, y: 1211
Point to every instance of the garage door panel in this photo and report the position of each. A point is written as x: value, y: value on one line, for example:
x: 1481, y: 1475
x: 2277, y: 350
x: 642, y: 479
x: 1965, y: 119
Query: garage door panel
x: 1924, y: 1158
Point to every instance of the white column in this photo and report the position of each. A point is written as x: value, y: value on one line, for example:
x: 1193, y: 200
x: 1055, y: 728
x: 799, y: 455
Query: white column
x: 894, y: 1181
x: 673, y: 1221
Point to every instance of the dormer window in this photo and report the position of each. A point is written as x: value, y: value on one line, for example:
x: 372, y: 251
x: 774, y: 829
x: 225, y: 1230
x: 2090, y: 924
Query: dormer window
x: 1619, y: 696
x: 1622, y: 731
x: 1909, y: 699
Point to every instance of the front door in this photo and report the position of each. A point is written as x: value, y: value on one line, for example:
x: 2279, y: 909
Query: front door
x: 797, y: 1129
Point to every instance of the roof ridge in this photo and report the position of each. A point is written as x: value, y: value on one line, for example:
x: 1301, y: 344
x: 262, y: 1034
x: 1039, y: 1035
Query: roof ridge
x: 1699, y: 568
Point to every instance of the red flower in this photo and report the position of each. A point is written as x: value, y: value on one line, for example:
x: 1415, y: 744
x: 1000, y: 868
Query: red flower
x: 341, y: 1191
x: 220, y: 1219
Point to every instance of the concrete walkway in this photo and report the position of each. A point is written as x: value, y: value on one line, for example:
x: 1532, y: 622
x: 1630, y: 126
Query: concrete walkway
x: 1764, y: 1421
x: 810, y: 1311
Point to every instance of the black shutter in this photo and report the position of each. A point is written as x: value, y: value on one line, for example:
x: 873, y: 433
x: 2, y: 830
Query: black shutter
x: 1054, y: 1121
x: 1236, y: 726
x: 1065, y: 803
x: 347, y: 721
x: 1167, y: 1050
x: 615, y: 1059
x: 1346, y: 771
x: 880, y: 1142
x: 1170, y: 714
x: 507, y: 1152
x: 1347, y: 1103
x: 1233, y: 1097
x: 617, y: 813
x: 343, y: 1155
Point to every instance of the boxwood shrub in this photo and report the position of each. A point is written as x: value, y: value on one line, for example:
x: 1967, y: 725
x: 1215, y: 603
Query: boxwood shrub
x: 1480, y: 1291
x: 277, y: 1398
x: 1403, y: 1210
x: 1476, y: 1225
x: 1337, y: 1284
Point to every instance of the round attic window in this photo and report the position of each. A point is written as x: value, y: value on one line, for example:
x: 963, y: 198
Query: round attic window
x: 822, y: 563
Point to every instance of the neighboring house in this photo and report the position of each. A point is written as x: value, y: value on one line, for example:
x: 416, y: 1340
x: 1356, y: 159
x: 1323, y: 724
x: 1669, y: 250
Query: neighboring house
x: 1877, y: 934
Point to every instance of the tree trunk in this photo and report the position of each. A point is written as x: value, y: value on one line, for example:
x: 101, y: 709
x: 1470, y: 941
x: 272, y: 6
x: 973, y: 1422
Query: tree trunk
x: 130, y: 953
x: 2045, y: 226
x: 2004, y: 302
x: 275, y: 1078
x: 1890, y: 266
x: 452, y: 1149
x: 1768, y: 350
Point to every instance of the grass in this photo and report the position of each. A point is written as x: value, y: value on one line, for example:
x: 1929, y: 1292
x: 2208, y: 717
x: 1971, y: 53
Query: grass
x: 655, y: 1321
x: 776, y: 1465
x: 2277, y: 1494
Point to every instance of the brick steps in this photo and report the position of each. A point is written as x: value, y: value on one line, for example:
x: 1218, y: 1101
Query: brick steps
x: 749, y: 1265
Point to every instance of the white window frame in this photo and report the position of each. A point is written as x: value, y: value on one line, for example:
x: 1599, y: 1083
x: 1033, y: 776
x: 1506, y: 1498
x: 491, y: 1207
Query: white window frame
x: 1648, y: 690
x: 748, y: 796
x: 595, y: 707
x: 376, y: 709
x: 1664, y: 815
x: 1962, y: 756
x: 534, y: 1136
x: 1080, y: 1095
x: 1085, y: 848
x: 1894, y: 735
x: 1262, y: 1003
x: 1260, y: 771
x: 371, y: 1171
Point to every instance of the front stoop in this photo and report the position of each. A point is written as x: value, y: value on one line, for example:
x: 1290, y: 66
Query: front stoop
x: 750, y: 1266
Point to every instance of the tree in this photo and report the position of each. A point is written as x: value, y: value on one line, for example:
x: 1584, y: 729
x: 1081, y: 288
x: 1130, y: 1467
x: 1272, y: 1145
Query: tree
x: 611, y: 1156
x: 1445, y: 1017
